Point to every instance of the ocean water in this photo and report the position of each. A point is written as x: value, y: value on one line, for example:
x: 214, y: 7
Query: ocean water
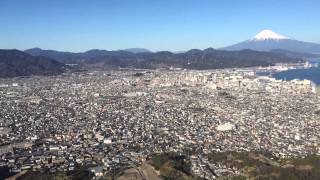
x: 312, y: 74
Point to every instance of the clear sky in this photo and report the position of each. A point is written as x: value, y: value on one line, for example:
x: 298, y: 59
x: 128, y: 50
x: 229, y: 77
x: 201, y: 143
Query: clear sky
x: 80, y: 25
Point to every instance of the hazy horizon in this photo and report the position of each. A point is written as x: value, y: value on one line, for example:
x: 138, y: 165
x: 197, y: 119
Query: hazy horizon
x: 79, y: 26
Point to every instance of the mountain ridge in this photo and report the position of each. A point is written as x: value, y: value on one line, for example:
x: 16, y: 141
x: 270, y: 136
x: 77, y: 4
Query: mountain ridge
x: 193, y: 59
x: 15, y: 63
x: 268, y: 40
x: 137, y: 50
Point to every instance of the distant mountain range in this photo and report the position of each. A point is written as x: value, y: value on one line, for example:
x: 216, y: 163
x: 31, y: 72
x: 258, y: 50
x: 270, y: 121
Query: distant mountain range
x: 295, y: 54
x: 17, y: 63
x: 212, y: 59
x: 69, y: 57
x: 268, y: 40
x: 281, y: 49
x: 138, y: 50
x: 45, y: 62
x: 192, y: 59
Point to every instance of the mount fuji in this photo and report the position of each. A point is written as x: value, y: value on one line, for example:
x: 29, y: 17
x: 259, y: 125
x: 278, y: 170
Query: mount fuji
x: 268, y: 40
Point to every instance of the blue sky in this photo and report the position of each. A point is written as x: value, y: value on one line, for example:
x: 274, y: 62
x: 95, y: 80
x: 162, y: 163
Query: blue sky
x: 79, y: 25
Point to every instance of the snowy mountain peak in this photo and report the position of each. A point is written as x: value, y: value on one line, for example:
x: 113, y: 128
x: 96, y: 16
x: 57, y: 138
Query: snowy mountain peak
x: 268, y: 35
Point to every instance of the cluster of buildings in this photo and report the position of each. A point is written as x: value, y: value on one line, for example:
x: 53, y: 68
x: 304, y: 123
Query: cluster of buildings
x: 114, y: 119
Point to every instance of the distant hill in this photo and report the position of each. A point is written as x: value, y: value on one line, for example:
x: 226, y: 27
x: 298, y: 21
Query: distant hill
x: 268, y: 40
x: 17, y: 63
x: 294, y: 54
x: 61, y: 56
x: 70, y: 57
x: 212, y: 59
x: 196, y: 59
x: 192, y: 59
x: 137, y: 50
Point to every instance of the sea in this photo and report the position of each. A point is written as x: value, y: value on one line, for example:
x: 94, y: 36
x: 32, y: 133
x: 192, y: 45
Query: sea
x: 312, y: 74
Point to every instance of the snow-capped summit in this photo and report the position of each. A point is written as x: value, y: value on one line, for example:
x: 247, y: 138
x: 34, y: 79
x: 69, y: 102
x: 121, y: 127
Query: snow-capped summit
x: 268, y: 40
x: 268, y: 35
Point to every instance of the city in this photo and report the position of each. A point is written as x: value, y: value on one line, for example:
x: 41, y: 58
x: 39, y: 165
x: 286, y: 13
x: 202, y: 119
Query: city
x: 109, y: 120
x: 159, y: 90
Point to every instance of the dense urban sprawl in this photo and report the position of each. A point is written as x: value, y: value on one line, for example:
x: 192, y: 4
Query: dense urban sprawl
x: 113, y: 119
